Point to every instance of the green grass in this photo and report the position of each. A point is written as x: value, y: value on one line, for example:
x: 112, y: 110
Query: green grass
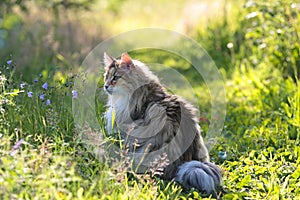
x: 261, y: 138
x: 263, y: 119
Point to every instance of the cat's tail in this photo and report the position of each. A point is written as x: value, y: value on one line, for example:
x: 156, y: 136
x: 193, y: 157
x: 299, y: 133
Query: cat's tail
x: 204, y: 176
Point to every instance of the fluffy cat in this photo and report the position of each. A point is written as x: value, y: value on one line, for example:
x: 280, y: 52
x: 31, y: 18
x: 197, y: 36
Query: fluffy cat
x: 153, y: 122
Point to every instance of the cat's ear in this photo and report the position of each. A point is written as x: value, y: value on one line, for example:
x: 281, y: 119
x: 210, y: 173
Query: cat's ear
x: 126, y: 61
x: 108, y: 60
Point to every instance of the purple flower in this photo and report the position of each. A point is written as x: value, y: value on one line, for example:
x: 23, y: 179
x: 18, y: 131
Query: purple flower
x: 9, y: 62
x: 29, y: 94
x: 18, y: 144
x: 48, y: 102
x: 22, y: 85
x: 42, y: 97
x: 45, y: 86
x: 36, y: 80
x: 74, y: 94
x: 4, y: 101
x: 16, y: 147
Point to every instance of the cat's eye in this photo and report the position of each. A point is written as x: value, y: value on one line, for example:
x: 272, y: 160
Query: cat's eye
x: 115, y: 78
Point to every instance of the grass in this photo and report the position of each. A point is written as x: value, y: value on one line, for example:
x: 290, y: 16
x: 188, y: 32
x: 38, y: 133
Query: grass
x: 43, y: 156
x: 265, y: 153
x: 53, y: 162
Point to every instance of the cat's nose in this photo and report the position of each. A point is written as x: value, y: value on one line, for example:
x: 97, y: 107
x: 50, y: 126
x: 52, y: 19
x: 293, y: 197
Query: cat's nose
x: 106, y: 86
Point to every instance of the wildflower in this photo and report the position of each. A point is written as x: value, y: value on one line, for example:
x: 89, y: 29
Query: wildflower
x: 222, y: 155
x: 250, y: 3
x: 74, y: 94
x: 18, y: 144
x: 35, y: 80
x: 16, y: 147
x: 2, y: 80
x: 229, y: 45
x: 251, y: 15
x: 48, y: 102
x: 9, y: 62
x: 45, y: 86
x: 4, y: 101
x: 22, y: 85
x: 29, y: 94
x: 42, y: 97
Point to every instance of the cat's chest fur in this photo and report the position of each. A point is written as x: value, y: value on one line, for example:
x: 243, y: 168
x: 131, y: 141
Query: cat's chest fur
x: 119, y: 110
x: 120, y: 105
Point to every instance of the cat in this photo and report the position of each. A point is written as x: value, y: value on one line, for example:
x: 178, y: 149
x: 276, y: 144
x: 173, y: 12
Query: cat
x: 153, y: 122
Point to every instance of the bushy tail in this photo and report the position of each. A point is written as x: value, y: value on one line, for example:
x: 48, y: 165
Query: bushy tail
x: 204, y: 176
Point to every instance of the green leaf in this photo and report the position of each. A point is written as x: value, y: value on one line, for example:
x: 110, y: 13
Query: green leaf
x: 244, y: 182
x: 296, y: 173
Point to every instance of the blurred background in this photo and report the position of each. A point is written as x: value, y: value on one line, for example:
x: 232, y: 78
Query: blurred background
x: 59, y: 33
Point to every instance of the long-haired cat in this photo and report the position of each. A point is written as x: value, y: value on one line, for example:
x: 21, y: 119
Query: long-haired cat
x: 153, y: 122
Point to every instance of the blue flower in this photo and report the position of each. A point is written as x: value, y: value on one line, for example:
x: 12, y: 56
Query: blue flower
x: 29, y: 94
x: 42, y: 97
x: 222, y: 155
x: 36, y: 80
x: 45, y: 86
x: 48, y: 102
x: 74, y: 94
x: 9, y: 62
x: 22, y: 85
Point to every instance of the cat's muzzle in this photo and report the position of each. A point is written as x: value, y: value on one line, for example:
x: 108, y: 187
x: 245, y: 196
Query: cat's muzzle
x: 108, y: 89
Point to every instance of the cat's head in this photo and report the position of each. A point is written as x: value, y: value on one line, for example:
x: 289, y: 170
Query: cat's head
x: 125, y: 75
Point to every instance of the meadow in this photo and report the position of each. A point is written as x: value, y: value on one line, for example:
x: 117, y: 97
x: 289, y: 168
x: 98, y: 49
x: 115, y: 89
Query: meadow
x: 254, y: 44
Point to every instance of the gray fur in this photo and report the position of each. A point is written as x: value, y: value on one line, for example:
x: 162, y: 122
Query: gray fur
x: 204, y: 176
x: 154, y: 122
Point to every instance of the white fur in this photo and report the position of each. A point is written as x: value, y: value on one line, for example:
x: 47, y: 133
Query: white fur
x: 119, y: 105
x: 107, y: 59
